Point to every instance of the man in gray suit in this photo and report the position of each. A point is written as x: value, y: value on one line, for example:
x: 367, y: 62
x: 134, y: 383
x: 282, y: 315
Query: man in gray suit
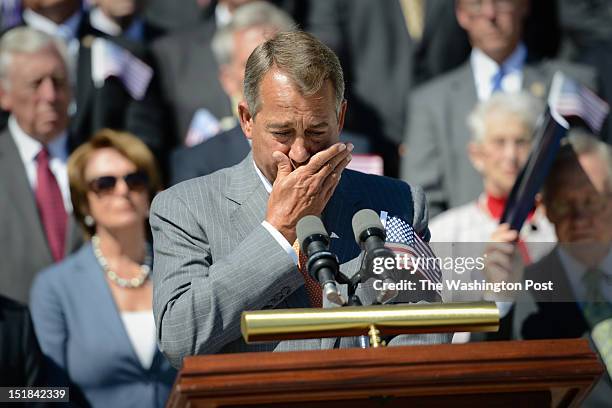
x: 436, y: 138
x: 35, y: 226
x: 223, y: 242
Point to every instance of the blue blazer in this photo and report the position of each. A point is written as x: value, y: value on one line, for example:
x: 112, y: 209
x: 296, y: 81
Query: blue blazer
x: 81, y: 332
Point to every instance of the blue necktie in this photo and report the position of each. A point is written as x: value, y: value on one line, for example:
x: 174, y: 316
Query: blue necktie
x: 497, y: 79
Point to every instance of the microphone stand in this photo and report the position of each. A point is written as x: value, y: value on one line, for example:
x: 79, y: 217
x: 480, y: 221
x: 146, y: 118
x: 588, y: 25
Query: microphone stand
x: 353, y: 299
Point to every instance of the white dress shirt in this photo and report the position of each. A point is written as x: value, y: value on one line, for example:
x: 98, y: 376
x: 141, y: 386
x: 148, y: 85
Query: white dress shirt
x: 28, y: 149
x: 140, y: 328
x: 575, y: 271
x: 282, y: 241
x: 103, y: 23
x: 485, y: 69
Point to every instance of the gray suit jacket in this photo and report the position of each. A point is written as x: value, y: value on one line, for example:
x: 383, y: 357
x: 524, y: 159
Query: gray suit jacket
x: 23, y: 245
x: 214, y: 259
x: 437, y: 135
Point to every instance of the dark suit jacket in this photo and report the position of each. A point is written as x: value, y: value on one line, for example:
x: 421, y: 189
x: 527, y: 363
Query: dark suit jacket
x: 111, y: 105
x: 556, y: 320
x: 221, y: 151
x: 23, y: 245
x: 381, y: 61
x: 21, y: 362
x: 437, y: 135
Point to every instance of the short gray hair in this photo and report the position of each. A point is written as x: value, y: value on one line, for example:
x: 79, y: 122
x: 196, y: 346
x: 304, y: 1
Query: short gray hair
x: 302, y: 57
x: 25, y: 40
x: 255, y: 14
x: 521, y: 104
x: 577, y: 143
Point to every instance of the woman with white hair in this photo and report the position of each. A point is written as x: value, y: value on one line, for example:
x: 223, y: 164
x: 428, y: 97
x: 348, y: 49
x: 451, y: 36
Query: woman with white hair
x: 502, y: 129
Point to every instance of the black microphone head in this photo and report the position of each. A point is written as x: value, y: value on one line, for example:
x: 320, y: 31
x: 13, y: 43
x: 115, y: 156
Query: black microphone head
x: 364, y: 219
x: 308, y: 226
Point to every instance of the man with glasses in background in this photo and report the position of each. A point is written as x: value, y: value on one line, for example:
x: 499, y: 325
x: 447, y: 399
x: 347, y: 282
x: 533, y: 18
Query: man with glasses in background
x: 436, y: 138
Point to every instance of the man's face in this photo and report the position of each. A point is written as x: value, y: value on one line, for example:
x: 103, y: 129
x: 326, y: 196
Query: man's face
x: 38, y: 93
x: 121, y: 8
x: 296, y: 125
x: 502, y: 153
x: 494, y: 26
x: 580, y: 205
x: 245, y: 41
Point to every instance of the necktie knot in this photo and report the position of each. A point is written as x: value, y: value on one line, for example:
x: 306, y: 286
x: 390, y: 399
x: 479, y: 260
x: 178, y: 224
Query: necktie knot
x: 43, y: 156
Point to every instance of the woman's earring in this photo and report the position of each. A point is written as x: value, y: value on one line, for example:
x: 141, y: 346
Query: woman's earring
x: 89, y: 221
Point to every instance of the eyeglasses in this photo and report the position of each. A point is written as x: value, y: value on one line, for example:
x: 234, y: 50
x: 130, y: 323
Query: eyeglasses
x: 137, y: 181
x: 590, y: 205
x: 475, y: 6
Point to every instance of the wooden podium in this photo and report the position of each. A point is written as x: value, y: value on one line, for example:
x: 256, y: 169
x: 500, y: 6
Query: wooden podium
x: 542, y: 373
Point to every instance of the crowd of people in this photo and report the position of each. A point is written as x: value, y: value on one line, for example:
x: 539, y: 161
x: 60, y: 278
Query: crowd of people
x: 112, y: 111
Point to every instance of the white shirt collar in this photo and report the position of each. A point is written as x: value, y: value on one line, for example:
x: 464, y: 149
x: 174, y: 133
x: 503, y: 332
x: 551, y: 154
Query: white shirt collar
x: 103, y: 23
x: 66, y: 30
x: 264, y: 180
x: 29, y: 147
x: 222, y: 15
x: 485, y: 68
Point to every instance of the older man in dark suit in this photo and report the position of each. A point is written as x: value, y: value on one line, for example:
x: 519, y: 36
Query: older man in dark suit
x: 35, y: 222
x: 104, y: 97
x: 436, y: 137
x: 578, y: 200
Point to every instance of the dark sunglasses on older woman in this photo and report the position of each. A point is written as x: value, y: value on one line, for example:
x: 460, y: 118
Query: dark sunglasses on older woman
x: 137, y: 181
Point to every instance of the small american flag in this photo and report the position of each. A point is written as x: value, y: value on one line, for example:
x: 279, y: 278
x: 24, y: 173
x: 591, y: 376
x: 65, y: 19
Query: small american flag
x: 109, y: 59
x: 568, y: 98
x: 402, y: 239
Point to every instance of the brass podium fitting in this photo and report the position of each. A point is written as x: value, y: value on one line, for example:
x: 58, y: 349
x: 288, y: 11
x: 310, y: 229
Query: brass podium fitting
x: 416, y: 318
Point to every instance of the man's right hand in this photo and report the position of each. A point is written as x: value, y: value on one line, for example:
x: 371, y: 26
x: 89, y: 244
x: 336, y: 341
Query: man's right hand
x: 306, y: 189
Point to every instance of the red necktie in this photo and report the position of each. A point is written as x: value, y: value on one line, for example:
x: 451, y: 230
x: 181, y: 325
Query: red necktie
x: 312, y: 287
x: 50, y: 205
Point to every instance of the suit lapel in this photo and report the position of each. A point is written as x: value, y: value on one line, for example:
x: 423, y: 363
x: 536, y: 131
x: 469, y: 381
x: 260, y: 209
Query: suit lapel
x: 17, y: 186
x: 463, y: 98
x: 84, y: 92
x: 248, y: 192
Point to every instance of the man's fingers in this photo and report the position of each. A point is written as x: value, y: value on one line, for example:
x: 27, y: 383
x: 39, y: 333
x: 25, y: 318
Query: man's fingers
x: 283, y: 164
x: 322, y: 158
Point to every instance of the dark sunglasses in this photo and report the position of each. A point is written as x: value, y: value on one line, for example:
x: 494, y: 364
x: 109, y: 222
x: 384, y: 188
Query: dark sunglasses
x: 137, y: 181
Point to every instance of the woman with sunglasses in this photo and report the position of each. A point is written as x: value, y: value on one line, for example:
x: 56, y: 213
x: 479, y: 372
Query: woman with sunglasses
x: 93, y: 312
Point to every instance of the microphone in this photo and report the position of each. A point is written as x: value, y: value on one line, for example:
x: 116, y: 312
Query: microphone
x: 370, y: 236
x: 322, y: 264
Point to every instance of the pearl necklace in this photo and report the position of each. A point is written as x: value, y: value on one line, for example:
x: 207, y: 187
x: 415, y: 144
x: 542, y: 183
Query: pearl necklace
x: 135, y: 282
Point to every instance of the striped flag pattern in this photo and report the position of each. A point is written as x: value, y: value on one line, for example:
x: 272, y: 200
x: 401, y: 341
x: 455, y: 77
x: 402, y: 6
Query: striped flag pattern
x: 109, y: 59
x: 402, y: 239
x: 568, y: 98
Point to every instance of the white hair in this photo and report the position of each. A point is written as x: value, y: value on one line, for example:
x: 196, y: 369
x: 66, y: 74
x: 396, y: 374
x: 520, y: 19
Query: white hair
x: 25, y: 40
x: 255, y: 14
x: 583, y: 142
x: 521, y: 104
